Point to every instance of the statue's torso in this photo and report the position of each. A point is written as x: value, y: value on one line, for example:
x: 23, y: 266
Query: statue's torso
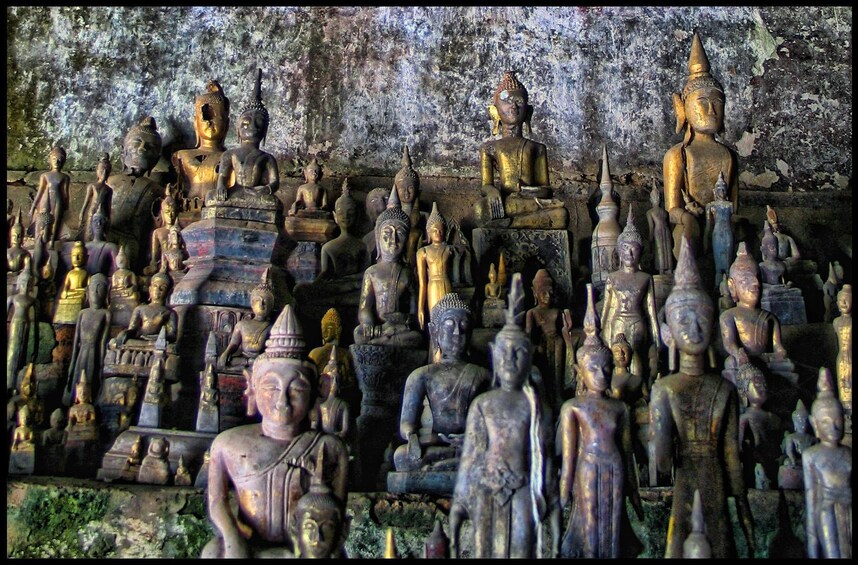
x: 151, y: 318
x: 599, y: 423
x: 253, y: 335
x: 199, y: 169
x: 753, y: 329
x: 507, y: 423
x: 391, y: 283
x: 704, y: 162
x: 133, y: 198
x: 451, y: 388
x: 514, y: 160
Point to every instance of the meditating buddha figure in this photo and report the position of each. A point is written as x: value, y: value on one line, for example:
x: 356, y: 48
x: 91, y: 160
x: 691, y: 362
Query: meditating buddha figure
x: 100, y: 253
x: 345, y: 254
x: 311, y: 196
x: 99, y: 197
x: 148, y: 319
x: 332, y: 329
x: 175, y: 253
x: 73, y: 292
x: 124, y: 294
x: 514, y: 169
x: 17, y: 258
x: 691, y: 167
x: 787, y: 249
x: 52, y: 194
x: 331, y: 413
x: 169, y: 215
x: 248, y: 338
x: 434, y: 263
x: 790, y: 475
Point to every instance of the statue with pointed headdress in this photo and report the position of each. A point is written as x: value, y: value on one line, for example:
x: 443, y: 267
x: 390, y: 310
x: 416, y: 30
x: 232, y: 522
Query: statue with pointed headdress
x: 659, y: 233
x: 319, y: 526
x: 787, y: 249
x: 82, y: 443
x: 17, y: 258
x: 504, y: 468
x: 330, y: 412
x: 92, y: 329
x: 147, y: 320
x: 98, y: 199
x: 169, y: 217
x: 249, y: 335
x: 691, y: 167
x: 603, y: 249
x: 124, y: 294
x: 52, y: 194
x: 719, y: 228
x: 542, y: 324
x: 22, y: 340
x: 695, y: 415
x: 843, y: 329
x: 332, y: 329
x: 271, y: 463
x: 434, y: 263
x: 790, y: 476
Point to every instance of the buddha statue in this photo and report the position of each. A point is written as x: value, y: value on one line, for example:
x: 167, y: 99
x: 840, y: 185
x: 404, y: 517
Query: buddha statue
x: 197, y: 168
x: 268, y: 464
x: 696, y: 545
x: 748, y: 332
x: 22, y: 459
x: 320, y: 526
x: 691, y: 167
x: 169, y: 215
x: 406, y: 183
x: 759, y: 430
x: 725, y: 302
x: 772, y: 269
x: 208, y: 415
x: 493, y: 288
x: 29, y: 397
x: 155, y: 468
x: 124, y: 295
x: 629, y: 303
x: 830, y: 288
x: 175, y: 254
x: 719, y: 228
x: 98, y: 198
x: 434, y: 266
x: 597, y: 470
x: 790, y: 474
x: 148, y: 319
x: 82, y: 429
x: 659, y: 233
x: 542, y: 324
x: 73, y: 292
x: 92, y: 329
x: 331, y: 413
x: 376, y: 202
x: 603, y: 249
x: 135, y: 191
x: 782, y: 300
x: 787, y: 249
x: 631, y: 389
x: 249, y: 335
x: 514, y: 169
x: 311, y: 197
x: 843, y: 328
x: 346, y: 254
x: 100, y: 254
x: 52, y: 194
x: 388, y: 298
x: 827, y: 468
x: 695, y: 414
x: 22, y: 311
x: 449, y: 385
x: 52, y: 446
x: 255, y: 172
x: 17, y: 258
x: 182, y: 477
x: 332, y: 328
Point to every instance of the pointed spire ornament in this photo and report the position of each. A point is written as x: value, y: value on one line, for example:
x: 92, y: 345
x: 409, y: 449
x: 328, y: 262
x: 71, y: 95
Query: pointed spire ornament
x: 698, y: 70
x: 390, y: 551
x: 286, y: 338
x: 696, y: 545
x: 630, y: 233
x: 606, y: 185
x: 435, y: 217
x: 687, y: 276
x: 743, y: 262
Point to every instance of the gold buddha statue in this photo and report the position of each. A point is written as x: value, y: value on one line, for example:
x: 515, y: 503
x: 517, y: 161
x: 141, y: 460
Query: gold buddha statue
x: 124, y: 294
x: 23, y: 447
x: 22, y: 311
x: 17, y: 258
x: 514, y: 169
x: 82, y: 425
x: 332, y: 328
x: 691, y: 168
x: 73, y: 292
x: 320, y: 526
x: 843, y: 329
x: 99, y: 196
x: 197, y: 168
x: 434, y: 263
x: 248, y: 337
x: 52, y: 193
x: 311, y: 196
x: 182, y: 477
x: 148, y: 319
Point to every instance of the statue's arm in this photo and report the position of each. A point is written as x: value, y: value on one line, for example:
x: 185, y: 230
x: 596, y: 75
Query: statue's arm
x: 422, y: 282
x: 473, y: 450
x: 172, y: 326
x: 487, y: 172
x: 412, y: 403
x: 224, y: 172
x: 90, y: 195
x: 607, y: 308
x: 710, y: 224
x: 569, y: 446
x: 777, y: 342
x: 811, y: 505
x: 733, y: 463
x: 660, y: 428
x: 272, y: 175
x: 231, y: 347
x: 105, y: 335
x: 75, y: 347
x: 674, y: 182
x: 730, y: 336
x: 540, y: 167
x: 651, y: 313
x: 366, y: 314
x: 220, y: 514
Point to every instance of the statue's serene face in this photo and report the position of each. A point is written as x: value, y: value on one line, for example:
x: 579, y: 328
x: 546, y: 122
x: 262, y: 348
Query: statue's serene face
x: 282, y: 392
x: 511, y: 359
x: 844, y: 302
x: 406, y: 192
x: 261, y: 305
x: 318, y: 532
x: 330, y: 333
x: 121, y: 262
x: 102, y: 171
x: 512, y: 107
x: 453, y: 331
x: 704, y: 110
x: 345, y: 216
x: 376, y: 202
x: 630, y: 254
x: 799, y: 423
x: 622, y: 354
x: 97, y: 226
x: 140, y: 151
x: 392, y: 239
x: 55, y: 159
x: 168, y: 213
x: 17, y: 238
x: 690, y: 323
x: 757, y: 394
x: 312, y: 176
x: 720, y: 193
x: 251, y: 126
x: 436, y: 233
x: 827, y: 422
x: 746, y: 287
x: 158, y: 290
x: 211, y: 122
x: 56, y: 419
x: 769, y: 249
x: 594, y: 369
x: 97, y: 294
x: 543, y: 295
x: 83, y: 396
x: 77, y: 257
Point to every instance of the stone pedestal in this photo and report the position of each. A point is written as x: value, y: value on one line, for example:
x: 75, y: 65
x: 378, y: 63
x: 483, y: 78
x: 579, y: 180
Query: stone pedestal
x: 316, y: 227
x: 784, y: 302
x: 422, y: 482
x: 305, y: 262
x: 22, y: 461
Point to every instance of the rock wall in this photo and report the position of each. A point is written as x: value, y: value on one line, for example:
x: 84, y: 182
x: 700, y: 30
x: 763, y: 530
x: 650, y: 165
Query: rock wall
x: 352, y: 84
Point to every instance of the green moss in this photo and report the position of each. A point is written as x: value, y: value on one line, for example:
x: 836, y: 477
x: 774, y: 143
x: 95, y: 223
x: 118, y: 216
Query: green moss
x: 192, y: 532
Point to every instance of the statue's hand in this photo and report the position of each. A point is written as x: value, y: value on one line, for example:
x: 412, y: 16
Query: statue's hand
x: 493, y: 198
x: 566, y: 331
x: 414, y: 451
x: 421, y: 319
x: 263, y: 188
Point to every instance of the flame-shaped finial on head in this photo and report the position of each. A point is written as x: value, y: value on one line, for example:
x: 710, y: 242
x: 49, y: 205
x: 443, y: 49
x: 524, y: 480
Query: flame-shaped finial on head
x: 515, y: 310
x: 390, y: 545
x: 825, y: 384
x: 698, y: 69
x: 18, y: 227
x: 721, y: 185
x: 393, y: 212
x: 686, y: 275
x: 771, y: 216
x: 314, y: 168
x: 286, y: 338
x: 406, y: 157
x: 800, y: 411
x: 630, y: 233
x: 256, y: 104
x: 743, y: 262
x: 435, y: 218
x: 606, y: 185
x: 407, y: 177
x: 593, y: 341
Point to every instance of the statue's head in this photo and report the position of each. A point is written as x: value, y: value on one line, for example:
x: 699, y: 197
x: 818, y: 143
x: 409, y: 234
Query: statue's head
x: 281, y: 385
x: 57, y: 419
x: 391, y: 230
x: 345, y: 208
x: 211, y: 115
x: 799, y: 417
x: 701, y: 104
x: 96, y: 291
x: 769, y: 243
x: 436, y: 225
x: 141, y: 147
x: 493, y: 274
x: 543, y: 288
x: 688, y: 308
x: 262, y: 297
x: 838, y: 270
x: 376, y: 202
x: 720, y: 190
x: 826, y: 412
x: 755, y: 383
x: 16, y: 233
x: 655, y: 196
x: 512, y: 350
x: 844, y: 299
x: 98, y: 225
x: 121, y: 258
x: 509, y: 103
x: 169, y: 212
x: 159, y: 447
x: 621, y: 351
x: 159, y: 286
x: 630, y: 243
x: 253, y: 120
x: 772, y: 218
x: 406, y: 181
x: 313, y: 171
x: 744, y: 279
x: 103, y: 168
x: 319, y: 525
x: 57, y: 157
x: 450, y: 326
x: 78, y: 254
x: 83, y: 390
x: 594, y: 359
x: 332, y: 326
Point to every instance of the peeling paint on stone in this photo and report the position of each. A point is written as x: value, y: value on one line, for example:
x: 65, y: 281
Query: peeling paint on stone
x: 782, y: 167
x: 745, y: 146
x: 763, y: 180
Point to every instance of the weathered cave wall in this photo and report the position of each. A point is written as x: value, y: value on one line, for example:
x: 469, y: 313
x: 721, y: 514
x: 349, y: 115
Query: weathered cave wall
x: 352, y: 84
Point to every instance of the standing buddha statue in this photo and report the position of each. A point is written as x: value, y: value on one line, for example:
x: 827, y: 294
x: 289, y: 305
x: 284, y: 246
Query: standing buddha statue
x: 92, y: 328
x: 659, y: 233
x: 99, y: 196
x: 22, y: 311
x: 169, y: 215
x: 100, y: 254
x: 52, y: 194
x: 719, y: 228
x: 407, y: 186
x: 434, y: 263
x: 542, y: 324
x: 843, y: 329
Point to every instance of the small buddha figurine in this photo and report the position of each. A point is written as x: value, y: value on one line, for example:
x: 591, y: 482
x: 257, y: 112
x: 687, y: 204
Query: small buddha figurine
x: 269, y: 464
x: 155, y: 469
x: 202, y: 479
x: 462, y: 257
x: 407, y: 186
x: 542, y: 324
x: 759, y: 430
x: 175, y: 254
x: 746, y: 330
x: 493, y: 288
x: 319, y: 527
x: 255, y: 171
x: 311, y: 197
x: 124, y: 295
x: 132, y: 464
x: 597, y: 470
x: 500, y: 483
x: 100, y: 254
x: 331, y: 413
x: 29, y: 396
x: 449, y: 385
x: 830, y: 288
x: 128, y: 406
x: 603, y: 249
x: 208, y: 413
x: 790, y: 474
x: 696, y: 546
x: 183, y: 476
x: 719, y: 227
x: 772, y: 269
x: 827, y: 470
x: 17, y: 258
x: 659, y: 233
x: 434, y: 266
x: 22, y: 344
x: 691, y: 167
x: 52, y: 447
x: 169, y: 215
x: 73, y: 292
x: 56, y: 434
x: 346, y: 254
x: 388, y: 298
x: 52, y: 193
x: 22, y: 460
x: 98, y: 199
x: 625, y: 385
x: 148, y: 319
x: 248, y: 336
x: 82, y: 425
x: 92, y: 329
x: 197, y: 168
x: 514, y: 169
x: 725, y: 302
x: 135, y: 192
x: 376, y: 202
x: 629, y: 304
x: 787, y: 249
x: 696, y: 414
x: 843, y: 329
x: 332, y: 328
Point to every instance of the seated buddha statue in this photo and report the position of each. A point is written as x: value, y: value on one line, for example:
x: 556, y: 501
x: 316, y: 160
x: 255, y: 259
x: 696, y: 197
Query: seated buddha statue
x: 345, y: 255
x: 494, y: 305
x: 790, y: 476
x: 786, y: 247
x: 332, y: 328
x: 169, y: 215
x: 124, y: 294
x: 73, y: 292
x: 82, y: 424
x: 691, y: 167
x: 17, y: 258
x: 514, y: 169
x: 100, y: 254
x: 782, y: 300
x: 331, y: 413
x: 148, y: 319
x: 22, y: 459
x: 311, y: 200
x: 248, y: 337
x: 388, y: 298
x: 174, y: 254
